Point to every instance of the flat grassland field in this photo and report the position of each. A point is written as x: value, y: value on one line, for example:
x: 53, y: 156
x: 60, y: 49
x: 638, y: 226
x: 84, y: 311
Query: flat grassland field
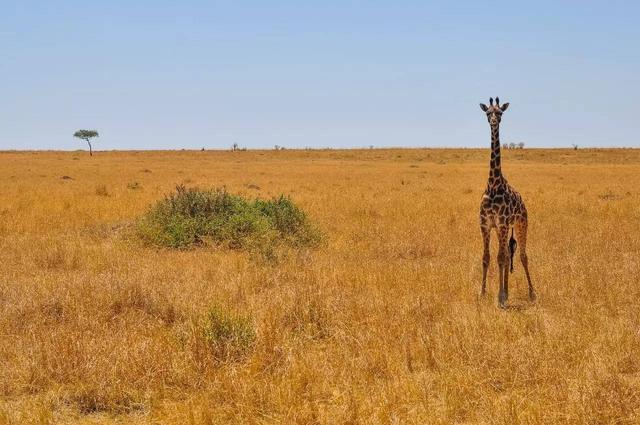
x: 379, y: 324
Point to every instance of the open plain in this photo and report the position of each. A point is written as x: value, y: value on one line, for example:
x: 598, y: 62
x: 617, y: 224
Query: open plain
x: 380, y: 324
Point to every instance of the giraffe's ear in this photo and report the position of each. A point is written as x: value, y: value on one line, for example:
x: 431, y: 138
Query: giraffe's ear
x: 504, y: 107
x: 484, y: 107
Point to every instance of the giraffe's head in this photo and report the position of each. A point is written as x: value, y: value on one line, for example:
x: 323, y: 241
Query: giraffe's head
x: 494, y: 112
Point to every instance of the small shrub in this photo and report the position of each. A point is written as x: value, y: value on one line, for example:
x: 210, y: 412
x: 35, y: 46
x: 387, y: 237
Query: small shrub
x: 230, y: 337
x: 192, y: 216
x: 133, y: 186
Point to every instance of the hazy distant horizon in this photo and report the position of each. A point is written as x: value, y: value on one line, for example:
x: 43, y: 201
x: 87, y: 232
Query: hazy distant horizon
x: 155, y: 76
x: 308, y: 148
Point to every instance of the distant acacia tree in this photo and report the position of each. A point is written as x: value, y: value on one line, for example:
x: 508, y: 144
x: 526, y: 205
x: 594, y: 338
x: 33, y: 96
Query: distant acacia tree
x: 521, y: 145
x: 234, y: 147
x: 505, y: 146
x: 512, y: 145
x: 575, y: 147
x: 86, y: 135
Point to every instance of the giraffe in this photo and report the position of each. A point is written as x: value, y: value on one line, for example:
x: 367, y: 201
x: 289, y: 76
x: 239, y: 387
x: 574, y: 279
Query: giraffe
x: 502, y: 208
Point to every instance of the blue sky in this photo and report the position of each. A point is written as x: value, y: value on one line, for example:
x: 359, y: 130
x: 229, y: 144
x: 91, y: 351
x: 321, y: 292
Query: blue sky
x: 192, y: 74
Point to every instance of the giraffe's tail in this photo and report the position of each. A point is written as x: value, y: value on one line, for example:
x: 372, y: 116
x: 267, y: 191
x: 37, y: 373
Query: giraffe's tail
x: 512, y: 248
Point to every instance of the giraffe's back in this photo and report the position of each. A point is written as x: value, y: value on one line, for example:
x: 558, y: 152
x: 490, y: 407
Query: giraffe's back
x: 501, y: 205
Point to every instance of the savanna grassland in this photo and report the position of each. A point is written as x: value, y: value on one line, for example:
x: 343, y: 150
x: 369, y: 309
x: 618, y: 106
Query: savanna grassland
x: 381, y: 323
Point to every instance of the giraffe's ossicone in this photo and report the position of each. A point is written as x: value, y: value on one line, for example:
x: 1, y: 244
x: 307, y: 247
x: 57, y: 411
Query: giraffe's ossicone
x: 502, y: 209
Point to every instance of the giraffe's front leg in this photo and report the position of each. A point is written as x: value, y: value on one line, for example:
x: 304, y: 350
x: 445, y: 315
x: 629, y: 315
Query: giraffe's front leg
x: 486, y: 256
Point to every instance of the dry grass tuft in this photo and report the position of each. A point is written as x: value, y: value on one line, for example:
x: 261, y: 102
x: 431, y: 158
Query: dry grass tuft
x: 101, y: 190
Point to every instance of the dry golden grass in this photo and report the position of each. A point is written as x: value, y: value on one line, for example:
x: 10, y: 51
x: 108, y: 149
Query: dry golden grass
x: 380, y: 325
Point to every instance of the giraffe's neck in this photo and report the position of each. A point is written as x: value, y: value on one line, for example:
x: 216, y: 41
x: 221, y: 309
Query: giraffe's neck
x: 495, y: 170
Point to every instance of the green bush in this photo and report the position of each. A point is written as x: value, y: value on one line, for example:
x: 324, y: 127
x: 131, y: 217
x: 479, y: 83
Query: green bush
x: 192, y: 216
x: 230, y: 337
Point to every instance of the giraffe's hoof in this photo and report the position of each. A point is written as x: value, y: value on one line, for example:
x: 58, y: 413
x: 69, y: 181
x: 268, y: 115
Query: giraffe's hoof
x: 502, y: 300
x: 532, y: 296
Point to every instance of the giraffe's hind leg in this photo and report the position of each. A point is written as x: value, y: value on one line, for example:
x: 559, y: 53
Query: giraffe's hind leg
x: 503, y: 265
x: 521, y: 237
x: 486, y: 256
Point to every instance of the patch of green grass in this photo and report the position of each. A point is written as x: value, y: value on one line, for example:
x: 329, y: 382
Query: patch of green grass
x: 230, y: 337
x: 192, y: 216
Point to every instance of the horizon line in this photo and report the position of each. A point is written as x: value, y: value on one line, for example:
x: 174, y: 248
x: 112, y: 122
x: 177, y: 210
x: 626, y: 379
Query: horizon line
x: 204, y: 149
